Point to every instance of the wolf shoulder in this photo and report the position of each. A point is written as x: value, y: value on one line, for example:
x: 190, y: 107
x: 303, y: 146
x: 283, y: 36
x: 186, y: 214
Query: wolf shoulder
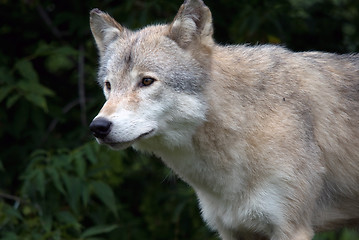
x: 270, y: 55
x: 280, y: 67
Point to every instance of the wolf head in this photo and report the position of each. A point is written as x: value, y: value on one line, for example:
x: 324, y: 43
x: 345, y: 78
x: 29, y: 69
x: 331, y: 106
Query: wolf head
x: 153, y: 79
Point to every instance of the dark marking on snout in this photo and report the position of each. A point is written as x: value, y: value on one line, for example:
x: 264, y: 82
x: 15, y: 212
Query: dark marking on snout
x: 100, y: 127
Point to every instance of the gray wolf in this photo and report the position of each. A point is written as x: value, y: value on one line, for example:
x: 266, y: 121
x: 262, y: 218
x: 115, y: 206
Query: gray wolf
x: 268, y: 138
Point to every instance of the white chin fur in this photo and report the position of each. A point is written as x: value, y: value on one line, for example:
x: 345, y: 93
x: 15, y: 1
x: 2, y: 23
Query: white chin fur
x: 119, y: 145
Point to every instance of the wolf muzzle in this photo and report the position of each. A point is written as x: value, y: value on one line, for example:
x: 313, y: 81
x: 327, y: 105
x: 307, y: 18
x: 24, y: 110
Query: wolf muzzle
x: 100, y: 127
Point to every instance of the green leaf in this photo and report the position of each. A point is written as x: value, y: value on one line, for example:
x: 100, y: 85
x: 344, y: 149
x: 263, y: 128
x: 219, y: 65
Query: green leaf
x: 90, y: 153
x: 349, y: 234
x: 46, y: 220
x: 74, y: 188
x: 178, y: 211
x: 105, y: 193
x: 325, y: 236
x: 68, y: 218
x: 40, y: 181
x: 35, y: 93
x: 37, y: 100
x: 27, y: 70
x: 85, y: 196
x: 43, y: 49
x: 35, y: 88
x: 11, y: 212
x: 60, y: 59
x: 39, y: 153
x: 65, y: 50
x: 9, y: 236
x: 54, y: 175
x: 12, y: 100
x: 80, y: 165
x: 5, y: 75
x: 100, y: 229
x: 59, y: 62
x: 4, y: 92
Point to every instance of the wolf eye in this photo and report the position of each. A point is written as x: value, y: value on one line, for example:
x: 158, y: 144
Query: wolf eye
x: 147, y: 81
x: 108, y: 86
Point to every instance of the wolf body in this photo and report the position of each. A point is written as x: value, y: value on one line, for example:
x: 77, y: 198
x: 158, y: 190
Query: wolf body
x: 268, y: 138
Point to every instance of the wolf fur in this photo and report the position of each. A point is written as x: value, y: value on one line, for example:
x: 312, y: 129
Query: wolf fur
x: 268, y: 138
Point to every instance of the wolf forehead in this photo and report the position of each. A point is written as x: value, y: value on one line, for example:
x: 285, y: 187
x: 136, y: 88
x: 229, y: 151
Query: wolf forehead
x: 150, y: 51
x: 129, y: 48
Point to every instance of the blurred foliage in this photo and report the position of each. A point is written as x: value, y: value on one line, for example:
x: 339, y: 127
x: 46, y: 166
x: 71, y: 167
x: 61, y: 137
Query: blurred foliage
x: 56, y: 182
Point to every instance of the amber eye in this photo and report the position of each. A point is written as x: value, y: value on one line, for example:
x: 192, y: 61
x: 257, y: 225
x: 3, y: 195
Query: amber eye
x: 147, y: 81
x: 108, y: 86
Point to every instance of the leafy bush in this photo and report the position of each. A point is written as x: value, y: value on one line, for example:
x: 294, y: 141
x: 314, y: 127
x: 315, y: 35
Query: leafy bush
x: 56, y: 182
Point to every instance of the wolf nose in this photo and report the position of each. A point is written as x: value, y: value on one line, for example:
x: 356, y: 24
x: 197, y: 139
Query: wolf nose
x: 100, y: 127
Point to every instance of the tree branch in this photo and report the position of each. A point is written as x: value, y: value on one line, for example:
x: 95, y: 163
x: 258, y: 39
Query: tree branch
x: 45, y: 17
x: 11, y: 197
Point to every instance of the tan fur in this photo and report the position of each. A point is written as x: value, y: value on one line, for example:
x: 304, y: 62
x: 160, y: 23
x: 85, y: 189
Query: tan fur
x: 268, y: 138
x: 109, y: 108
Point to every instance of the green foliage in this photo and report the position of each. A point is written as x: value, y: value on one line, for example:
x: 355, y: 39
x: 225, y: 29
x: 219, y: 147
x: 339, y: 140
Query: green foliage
x: 56, y: 182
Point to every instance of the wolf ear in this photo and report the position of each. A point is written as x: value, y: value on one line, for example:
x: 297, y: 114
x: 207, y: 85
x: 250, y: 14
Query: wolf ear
x: 192, y: 22
x: 104, y: 28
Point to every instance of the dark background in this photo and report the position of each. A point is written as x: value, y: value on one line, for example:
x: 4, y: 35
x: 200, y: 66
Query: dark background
x: 55, y: 181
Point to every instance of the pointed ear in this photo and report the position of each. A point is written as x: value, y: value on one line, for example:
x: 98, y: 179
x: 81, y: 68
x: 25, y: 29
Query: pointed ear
x: 192, y: 22
x: 105, y: 29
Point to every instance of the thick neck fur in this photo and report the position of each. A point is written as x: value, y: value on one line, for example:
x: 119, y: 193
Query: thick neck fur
x: 203, y: 151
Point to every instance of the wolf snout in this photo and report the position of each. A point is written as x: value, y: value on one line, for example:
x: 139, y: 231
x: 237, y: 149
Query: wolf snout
x: 100, y: 127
